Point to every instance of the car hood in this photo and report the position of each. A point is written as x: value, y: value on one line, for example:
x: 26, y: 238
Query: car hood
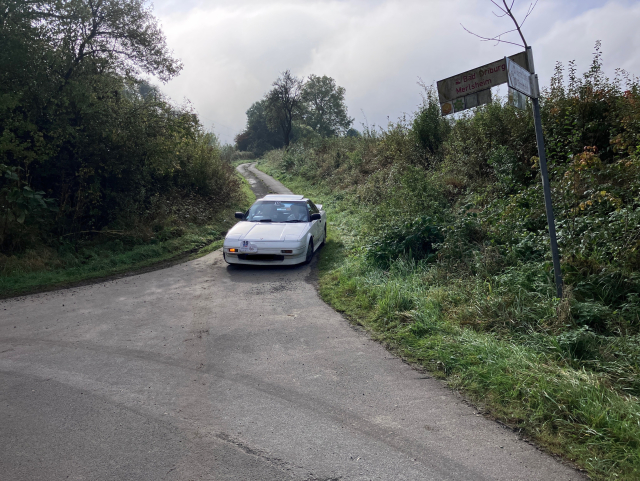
x: 257, y: 231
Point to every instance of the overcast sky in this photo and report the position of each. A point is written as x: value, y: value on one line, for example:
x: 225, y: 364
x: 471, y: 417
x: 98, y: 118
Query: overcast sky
x: 377, y: 50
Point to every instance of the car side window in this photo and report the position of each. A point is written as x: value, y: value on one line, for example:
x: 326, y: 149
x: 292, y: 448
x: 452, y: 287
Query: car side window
x: 299, y: 212
x: 312, y: 207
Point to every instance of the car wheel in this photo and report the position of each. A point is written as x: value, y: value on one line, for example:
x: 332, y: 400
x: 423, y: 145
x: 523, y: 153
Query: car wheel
x: 309, y: 252
x: 324, y: 239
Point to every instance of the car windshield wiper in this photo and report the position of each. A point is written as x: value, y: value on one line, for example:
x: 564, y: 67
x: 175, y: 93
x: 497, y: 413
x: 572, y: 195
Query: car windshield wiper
x: 295, y: 220
x: 265, y: 220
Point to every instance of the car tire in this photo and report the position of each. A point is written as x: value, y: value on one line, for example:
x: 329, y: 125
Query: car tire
x: 309, y: 252
x: 324, y: 239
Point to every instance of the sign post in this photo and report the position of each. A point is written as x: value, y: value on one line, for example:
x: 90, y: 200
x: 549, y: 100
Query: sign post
x: 542, y: 155
x: 472, y: 88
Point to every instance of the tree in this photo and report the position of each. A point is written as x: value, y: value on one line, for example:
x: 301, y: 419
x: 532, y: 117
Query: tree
x: 119, y: 35
x: 293, y: 110
x: 243, y: 141
x: 325, y: 110
x: 79, y: 130
x: 257, y: 137
x: 284, y: 104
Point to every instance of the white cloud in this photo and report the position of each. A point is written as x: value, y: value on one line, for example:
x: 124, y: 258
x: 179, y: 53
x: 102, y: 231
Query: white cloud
x: 232, y: 51
x: 615, y: 24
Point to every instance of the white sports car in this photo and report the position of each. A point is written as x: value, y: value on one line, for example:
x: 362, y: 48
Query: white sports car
x: 276, y: 230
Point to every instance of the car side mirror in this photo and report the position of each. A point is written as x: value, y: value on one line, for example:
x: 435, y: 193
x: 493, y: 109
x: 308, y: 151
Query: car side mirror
x: 315, y: 217
x: 239, y: 215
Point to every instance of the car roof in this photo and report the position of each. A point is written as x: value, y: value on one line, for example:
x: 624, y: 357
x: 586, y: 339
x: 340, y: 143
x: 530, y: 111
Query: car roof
x: 283, y: 197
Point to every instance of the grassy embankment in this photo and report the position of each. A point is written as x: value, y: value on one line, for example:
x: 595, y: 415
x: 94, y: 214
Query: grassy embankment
x: 438, y: 246
x: 108, y: 255
x: 526, y: 382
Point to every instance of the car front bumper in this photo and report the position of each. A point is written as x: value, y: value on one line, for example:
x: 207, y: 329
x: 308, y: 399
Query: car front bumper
x: 268, y: 254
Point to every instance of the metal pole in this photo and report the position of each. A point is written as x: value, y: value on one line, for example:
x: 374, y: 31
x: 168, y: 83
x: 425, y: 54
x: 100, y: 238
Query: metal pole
x: 555, y: 254
x: 547, y: 197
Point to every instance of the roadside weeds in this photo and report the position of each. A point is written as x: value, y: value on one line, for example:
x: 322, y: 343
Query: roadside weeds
x: 105, y: 264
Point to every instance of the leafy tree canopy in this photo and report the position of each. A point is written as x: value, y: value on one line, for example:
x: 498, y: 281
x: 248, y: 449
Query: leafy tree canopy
x: 122, y: 35
x: 85, y: 143
x: 325, y: 109
x: 284, y: 104
x: 258, y: 137
x: 296, y: 108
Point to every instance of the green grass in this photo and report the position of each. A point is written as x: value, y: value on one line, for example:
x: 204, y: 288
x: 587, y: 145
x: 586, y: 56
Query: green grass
x: 526, y: 381
x: 236, y: 163
x: 108, y: 258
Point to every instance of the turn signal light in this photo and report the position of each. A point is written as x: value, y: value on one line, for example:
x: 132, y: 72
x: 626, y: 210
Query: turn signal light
x: 233, y: 250
x: 288, y: 251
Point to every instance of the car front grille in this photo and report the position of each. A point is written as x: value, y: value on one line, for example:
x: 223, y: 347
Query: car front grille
x: 260, y: 257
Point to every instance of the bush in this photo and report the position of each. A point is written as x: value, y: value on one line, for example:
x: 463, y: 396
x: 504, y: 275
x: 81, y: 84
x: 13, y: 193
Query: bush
x: 430, y: 130
x: 414, y: 239
x: 242, y: 155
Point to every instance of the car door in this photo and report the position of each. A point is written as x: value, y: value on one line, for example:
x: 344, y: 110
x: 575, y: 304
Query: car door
x: 317, y: 226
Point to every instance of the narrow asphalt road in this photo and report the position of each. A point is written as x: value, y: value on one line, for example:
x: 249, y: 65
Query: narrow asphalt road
x: 204, y: 371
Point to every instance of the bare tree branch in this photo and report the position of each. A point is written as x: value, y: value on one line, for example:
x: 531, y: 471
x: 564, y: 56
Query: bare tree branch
x: 497, y: 38
x: 499, y: 8
x: 506, y: 10
x: 498, y: 5
x: 514, y: 21
x: 531, y: 7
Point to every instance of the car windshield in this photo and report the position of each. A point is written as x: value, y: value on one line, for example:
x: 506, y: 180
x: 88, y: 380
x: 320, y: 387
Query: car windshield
x: 277, y: 211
